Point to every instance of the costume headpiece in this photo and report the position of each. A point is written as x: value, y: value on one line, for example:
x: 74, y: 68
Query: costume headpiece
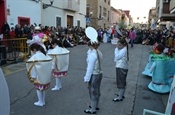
x: 91, y: 33
x: 38, y: 40
x: 37, y: 28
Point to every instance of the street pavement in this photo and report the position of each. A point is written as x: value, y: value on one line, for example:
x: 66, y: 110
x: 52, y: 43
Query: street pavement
x: 73, y: 98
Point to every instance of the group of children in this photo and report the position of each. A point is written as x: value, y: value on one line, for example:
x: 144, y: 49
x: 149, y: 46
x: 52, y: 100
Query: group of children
x: 56, y: 61
x: 46, y: 63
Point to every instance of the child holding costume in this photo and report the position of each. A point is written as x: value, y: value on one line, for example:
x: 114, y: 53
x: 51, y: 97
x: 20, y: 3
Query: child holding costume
x: 93, y: 74
x: 121, y: 58
x: 60, y: 62
x: 39, y: 71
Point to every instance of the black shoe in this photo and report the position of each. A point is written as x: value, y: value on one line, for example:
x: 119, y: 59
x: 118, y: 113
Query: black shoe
x: 122, y: 96
x: 95, y: 108
x: 116, y: 100
x: 89, y: 112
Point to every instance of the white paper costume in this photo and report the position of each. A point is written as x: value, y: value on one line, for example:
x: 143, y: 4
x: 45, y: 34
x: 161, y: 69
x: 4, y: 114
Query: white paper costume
x: 39, y: 73
x: 4, y: 96
x: 39, y: 69
x: 60, y: 64
x: 93, y: 74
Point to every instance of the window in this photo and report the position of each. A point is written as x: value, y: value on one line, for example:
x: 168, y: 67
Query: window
x: 104, y: 11
x: 78, y: 23
x: 108, y: 15
x: 109, y: 2
x: 100, y: 11
x: 58, y: 21
x: 165, y: 1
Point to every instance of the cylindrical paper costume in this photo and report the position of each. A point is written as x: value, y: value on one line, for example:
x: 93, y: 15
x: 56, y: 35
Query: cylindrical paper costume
x: 60, y: 58
x: 39, y: 70
x: 4, y: 96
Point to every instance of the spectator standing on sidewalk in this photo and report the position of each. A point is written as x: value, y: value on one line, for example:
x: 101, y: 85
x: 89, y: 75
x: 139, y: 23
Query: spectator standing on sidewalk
x: 121, y: 58
x: 5, y: 28
x: 6, y: 33
x: 132, y: 37
x: 18, y: 31
x: 93, y: 74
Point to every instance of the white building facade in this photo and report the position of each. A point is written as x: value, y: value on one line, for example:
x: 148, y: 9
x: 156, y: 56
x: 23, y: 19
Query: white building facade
x: 23, y: 12
x: 59, y: 13
x: 65, y: 13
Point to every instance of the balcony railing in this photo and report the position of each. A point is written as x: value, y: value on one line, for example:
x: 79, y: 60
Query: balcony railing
x: 172, y: 5
x: 71, y: 5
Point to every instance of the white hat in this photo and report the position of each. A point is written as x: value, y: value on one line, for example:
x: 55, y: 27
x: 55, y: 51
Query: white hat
x: 91, y: 33
x: 37, y: 28
x: 38, y: 40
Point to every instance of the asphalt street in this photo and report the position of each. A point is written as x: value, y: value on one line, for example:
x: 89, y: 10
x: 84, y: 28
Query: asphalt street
x: 73, y: 98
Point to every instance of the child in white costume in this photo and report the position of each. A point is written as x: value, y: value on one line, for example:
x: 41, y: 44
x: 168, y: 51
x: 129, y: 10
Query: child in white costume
x: 39, y: 71
x: 93, y: 74
x: 60, y: 62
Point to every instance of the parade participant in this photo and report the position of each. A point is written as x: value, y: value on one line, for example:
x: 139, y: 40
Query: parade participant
x: 159, y: 68
x: 39, y: 71
x: 157, y: 49
x: 4, y: 96
x: 38, y: 37
x: 93, y: 74
x: 121, y: 58
x: 60, y: 62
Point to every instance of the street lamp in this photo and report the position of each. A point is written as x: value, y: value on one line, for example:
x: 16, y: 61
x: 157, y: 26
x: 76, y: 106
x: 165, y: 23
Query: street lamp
x: 48, y: 5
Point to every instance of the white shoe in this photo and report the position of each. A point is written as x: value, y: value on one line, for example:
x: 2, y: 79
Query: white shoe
x: 39, y: 104
x: 55, y: 89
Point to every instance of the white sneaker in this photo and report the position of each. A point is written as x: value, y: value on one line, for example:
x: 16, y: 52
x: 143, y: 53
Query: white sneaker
x: 55, y: 89
x: 39, y: 104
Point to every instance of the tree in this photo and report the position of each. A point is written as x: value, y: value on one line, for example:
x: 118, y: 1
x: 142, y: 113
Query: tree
x: 122, y: 24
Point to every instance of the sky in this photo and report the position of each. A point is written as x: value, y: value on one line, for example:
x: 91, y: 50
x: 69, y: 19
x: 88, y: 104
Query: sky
x: 138, y: 8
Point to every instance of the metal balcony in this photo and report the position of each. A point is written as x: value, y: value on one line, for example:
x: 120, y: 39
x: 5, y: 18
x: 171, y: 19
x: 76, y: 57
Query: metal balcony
x: 71, y: 5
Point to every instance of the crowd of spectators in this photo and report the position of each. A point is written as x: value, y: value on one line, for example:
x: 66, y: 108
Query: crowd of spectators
x: 70, y: 36
x: 73, y: 36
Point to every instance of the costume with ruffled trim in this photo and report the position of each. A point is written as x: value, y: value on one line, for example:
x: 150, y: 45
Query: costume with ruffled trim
x: 60, y: 62
x: 39, y: 70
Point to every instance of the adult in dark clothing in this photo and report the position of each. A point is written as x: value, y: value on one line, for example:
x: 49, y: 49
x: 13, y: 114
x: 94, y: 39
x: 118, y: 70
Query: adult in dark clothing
x: 18, y: 31
x: 6, y: 33
x: 5, y: 28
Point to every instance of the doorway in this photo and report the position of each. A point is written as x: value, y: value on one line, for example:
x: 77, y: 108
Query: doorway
x: 2, y: 13
x: 23, y: 21
x: 69, y: 20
